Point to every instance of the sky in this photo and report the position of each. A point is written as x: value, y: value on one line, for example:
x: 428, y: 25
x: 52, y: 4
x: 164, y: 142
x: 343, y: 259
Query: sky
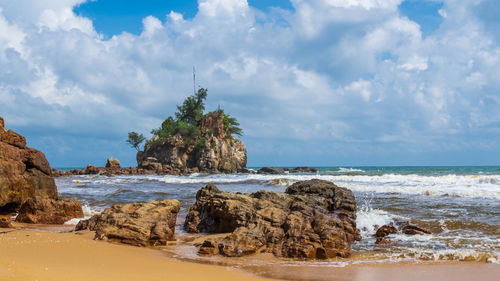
x: 312, y: 82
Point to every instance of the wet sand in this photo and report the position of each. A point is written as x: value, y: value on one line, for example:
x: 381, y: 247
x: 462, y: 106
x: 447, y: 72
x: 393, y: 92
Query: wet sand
x: 44, y: 255
x: 37, y: 255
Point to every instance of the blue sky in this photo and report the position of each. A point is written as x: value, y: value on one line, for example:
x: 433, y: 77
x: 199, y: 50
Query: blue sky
x: 313, y: 82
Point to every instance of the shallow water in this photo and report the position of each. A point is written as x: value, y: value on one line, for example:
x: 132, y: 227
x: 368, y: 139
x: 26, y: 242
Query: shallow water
x: 460, y: 205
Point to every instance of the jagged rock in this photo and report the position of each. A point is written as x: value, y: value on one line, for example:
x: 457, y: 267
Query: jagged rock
x: 138, y: 224
x: 269, y: 170
x: 382, y: 241
x: 49, y: 211
x: 410, y: 229
x: 313, y: 219
x: 24, y: 172
x: 113, y: 163
x: 385, y: 230
x: 4, y: 222
x: 214, y: 150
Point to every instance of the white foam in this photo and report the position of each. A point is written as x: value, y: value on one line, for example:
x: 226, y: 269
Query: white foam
x: 367, y: 218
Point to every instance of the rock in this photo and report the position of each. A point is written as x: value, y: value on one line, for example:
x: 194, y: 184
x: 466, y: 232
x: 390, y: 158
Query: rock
x: 385, y: 230
x: 214, y: 150
x: 49, y: 211
x: 301, y: 170
x: 410, y: 229
x: 4, y: 222
x: 383, y: 241
x: 113, y: 163
x: 2, y: 123
x: 24, y: 172
x: 269, y: 170
x: 313, y: 219
x: 138, y: 224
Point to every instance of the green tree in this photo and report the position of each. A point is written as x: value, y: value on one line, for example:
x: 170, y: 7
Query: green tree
x: 192, y: 109
x: 232, y: 125
x: 135, y: 139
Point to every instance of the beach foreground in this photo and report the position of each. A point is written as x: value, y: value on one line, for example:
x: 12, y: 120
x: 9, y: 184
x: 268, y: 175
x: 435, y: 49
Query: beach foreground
x: 42, y: 255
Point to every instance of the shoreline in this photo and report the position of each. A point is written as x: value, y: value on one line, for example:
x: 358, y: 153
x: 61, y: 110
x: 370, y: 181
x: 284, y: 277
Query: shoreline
x: 42, y: 254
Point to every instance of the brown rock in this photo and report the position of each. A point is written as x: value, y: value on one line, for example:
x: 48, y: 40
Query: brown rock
x: 113, y: 163
x: 49, y: 211
x: 269, y: 170
x: 138, y: 224
x: 382, y: 241
x: 410, y: 229
x: 214, y: 150
x: 385, y: 230
x: 2, y: 123
x: 4, y: 222
x: 24, y: 172
x: 313, y: 219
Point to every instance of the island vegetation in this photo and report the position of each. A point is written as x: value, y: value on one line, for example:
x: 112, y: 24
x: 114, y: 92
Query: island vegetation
x: 186, y: 123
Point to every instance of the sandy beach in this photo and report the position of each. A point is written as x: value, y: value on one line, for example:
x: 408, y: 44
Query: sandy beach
x: 44, y: 255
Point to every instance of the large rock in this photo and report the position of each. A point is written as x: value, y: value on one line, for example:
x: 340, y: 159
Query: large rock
x: 138, y: 224
x: 24, y: 172
x: 49, y: 211
x: 113, y: 163
x: 313, y: 219
x: 215, y: 150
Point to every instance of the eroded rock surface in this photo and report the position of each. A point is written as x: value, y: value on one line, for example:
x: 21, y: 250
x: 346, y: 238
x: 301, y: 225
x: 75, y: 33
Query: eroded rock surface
x: 40, y: 210
x: 24, y: 172
x: 214, y: 150
x: 313, y: 219
x: 138, y: 224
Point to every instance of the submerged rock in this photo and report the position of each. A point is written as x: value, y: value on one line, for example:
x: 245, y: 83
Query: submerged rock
x: 410, y: 229
x: 385, y: 230
x: 49, y: 211
x: 313, y: 219
x: 138, y: 224
x: 24, y: 172
x: 269, y: 170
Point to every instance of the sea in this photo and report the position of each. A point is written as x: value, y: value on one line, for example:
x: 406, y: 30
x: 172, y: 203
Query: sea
x: 459, y: 205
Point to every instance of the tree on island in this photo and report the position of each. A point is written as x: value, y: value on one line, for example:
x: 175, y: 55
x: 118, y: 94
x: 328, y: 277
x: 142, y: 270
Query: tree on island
x: 187, y: 123
x: 135, y: 139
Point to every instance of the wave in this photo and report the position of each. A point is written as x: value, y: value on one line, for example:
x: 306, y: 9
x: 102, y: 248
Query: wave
x: 470, y: 186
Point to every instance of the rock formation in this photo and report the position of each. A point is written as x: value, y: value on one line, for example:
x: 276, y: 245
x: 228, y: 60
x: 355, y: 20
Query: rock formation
x: 313, y: 219
x: 49, y: 211
x: 213, y: 150
x: 138, y: 224
x: 24, y: 172
x: 113, y: 163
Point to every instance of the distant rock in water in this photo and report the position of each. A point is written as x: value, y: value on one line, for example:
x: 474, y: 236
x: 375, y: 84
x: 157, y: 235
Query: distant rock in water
x: 214, y: 149
x: 269, y: 170
x: 24, y: 172
x: 113, y: 163
x: 138, y: 224
x: 313, y: 219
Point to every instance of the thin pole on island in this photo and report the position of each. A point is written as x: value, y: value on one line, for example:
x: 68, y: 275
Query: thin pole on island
x: 194, y: 80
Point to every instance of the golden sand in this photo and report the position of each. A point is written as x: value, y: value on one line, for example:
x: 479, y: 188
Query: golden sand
x: 44, y: 255
x: 35, y: 255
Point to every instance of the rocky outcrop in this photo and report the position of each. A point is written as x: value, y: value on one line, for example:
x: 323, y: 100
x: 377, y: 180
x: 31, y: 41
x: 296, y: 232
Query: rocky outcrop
x: 313, y: 219
x: 49, y: 211
x: 214, y: 150
x: 269, y: 170
x: 138, y: 224
x: 24, y: 172
x: 404, y: 227
x: 302, y: 169
x: 113, y: 163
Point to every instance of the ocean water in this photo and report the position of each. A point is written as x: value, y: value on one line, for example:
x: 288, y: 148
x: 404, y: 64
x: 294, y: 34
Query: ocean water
x: 460, y: 205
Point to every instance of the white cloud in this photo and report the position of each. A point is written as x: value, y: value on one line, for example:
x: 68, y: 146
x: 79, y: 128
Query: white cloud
x: 350, y: 72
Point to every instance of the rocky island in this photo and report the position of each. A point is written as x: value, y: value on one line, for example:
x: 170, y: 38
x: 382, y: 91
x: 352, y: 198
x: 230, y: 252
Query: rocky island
x: 193, y: 141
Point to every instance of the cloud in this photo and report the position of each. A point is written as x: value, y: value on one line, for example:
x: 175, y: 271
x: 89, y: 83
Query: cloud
x: 333, y: 79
